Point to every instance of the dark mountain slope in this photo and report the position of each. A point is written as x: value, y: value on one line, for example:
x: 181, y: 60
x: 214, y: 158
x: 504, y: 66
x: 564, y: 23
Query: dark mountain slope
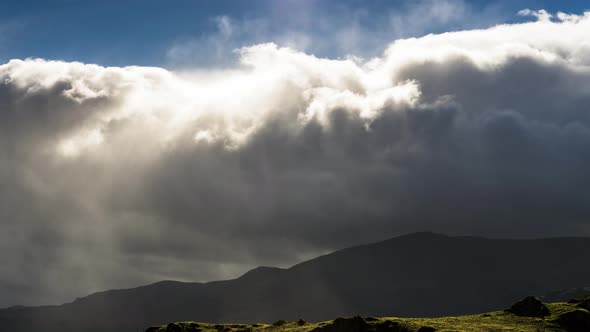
x: 421, y: 274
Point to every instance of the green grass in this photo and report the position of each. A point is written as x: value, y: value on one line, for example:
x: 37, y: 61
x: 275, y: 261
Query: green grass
x: 492, y: 321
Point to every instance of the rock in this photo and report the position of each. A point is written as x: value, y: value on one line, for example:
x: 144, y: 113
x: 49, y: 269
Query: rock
x: 575, y: 321
x: 529, y: 307
x: 389, y: 326
x: 426, y: 329
x: 584, y: 304
x: 358, y: 324
x: 354, y: 324
x: 301, y: 322
x: 192, y: 327
x: 172, y: 327
x: 279, y: 322
x: 221, y: 328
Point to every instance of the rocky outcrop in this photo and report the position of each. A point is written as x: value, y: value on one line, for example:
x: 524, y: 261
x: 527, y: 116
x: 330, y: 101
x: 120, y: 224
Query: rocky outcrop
x: 529, y: 307
x: 359, y: 324
x: 584, y: 304
x: 575, y: 321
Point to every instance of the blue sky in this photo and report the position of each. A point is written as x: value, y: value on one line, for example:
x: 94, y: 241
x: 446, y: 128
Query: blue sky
x: 188, y: 32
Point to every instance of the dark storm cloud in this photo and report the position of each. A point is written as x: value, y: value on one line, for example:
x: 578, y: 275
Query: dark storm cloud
x: 114, y: 177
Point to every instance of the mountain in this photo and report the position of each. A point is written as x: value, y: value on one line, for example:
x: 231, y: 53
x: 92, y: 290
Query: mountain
x: 564, y: 295
x: 417, y: 275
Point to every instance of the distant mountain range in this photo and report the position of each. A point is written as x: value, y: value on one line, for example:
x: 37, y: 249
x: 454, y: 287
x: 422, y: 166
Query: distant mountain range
x: 417, y: 275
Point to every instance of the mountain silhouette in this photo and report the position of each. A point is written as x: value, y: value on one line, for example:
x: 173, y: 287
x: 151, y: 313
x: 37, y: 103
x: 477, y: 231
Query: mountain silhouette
x: 416, y: 275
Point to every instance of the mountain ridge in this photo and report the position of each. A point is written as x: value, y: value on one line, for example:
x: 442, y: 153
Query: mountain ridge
x: 416, y: 275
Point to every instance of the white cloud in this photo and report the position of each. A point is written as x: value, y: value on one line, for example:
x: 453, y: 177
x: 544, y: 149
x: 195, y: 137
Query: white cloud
x: 541, y: 15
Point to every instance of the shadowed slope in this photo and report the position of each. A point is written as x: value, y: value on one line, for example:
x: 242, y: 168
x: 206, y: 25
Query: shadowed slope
x: 418, y: 275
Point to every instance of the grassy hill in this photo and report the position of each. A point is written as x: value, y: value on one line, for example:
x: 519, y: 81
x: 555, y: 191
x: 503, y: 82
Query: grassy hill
x: 572, y: 316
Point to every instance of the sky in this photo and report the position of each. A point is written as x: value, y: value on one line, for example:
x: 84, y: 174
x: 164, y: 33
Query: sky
x: 193, y: 140
x: 187, y: 32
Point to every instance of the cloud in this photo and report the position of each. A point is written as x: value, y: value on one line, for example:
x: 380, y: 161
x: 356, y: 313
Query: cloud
x: 114, y: 177
x: 541, y: 15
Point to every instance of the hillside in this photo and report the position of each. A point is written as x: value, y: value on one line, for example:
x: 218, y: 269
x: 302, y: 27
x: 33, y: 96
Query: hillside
x: 526, y: 315
x: 418, y: 275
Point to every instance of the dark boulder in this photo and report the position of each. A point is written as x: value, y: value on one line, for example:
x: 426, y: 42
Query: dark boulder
x: 529, y: 307
x: 575, y: 321
x: 354, y: 324
x: 584, y: 304
x: 358, y: 324
x: 301, y: 322
x: 192, y: 327
x: 389, y: 326
x: 426, y: 329
x: 172, y: 327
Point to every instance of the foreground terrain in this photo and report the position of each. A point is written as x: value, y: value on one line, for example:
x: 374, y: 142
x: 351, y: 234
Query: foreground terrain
x: 527, y: 315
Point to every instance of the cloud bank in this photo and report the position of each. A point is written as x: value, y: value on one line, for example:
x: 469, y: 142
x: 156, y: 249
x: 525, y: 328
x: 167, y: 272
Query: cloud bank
x: 113, y: 177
